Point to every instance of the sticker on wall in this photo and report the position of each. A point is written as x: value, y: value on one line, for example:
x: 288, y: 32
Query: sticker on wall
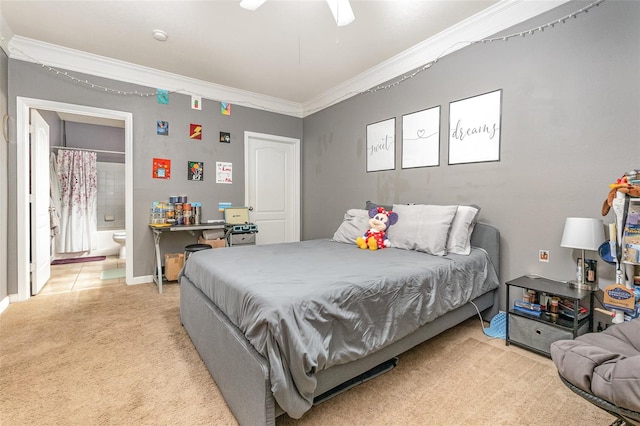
x: 162, y: 128
x: 225, y: 108
x: 224, y: 172
x: 195, y: 170
x: 196, y: 102
x: 161, y: 168
x: 162, y: 96
x: 225, y: 137
x: 195, y: 131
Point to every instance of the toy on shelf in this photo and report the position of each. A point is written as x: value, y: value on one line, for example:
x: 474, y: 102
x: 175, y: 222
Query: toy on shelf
x: 625, y: 238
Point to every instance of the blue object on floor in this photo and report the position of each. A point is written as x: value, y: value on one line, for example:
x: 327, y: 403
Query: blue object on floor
x: 498, y: 326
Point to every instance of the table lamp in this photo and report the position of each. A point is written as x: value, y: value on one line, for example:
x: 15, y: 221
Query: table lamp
x: 583, y: 234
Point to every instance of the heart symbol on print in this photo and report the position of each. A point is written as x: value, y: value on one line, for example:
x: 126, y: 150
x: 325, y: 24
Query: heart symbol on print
x: 421, y: 133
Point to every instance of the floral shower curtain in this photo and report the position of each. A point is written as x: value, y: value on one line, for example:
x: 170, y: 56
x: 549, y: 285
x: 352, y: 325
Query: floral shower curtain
x: 78, y: 182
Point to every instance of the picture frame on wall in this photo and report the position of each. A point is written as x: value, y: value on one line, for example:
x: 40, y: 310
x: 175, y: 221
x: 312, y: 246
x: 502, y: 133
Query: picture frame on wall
x: 475, y: 128
x: 161, y: 168
x: 195, y: 170
x: 421, y: 138
x: 381, y: 146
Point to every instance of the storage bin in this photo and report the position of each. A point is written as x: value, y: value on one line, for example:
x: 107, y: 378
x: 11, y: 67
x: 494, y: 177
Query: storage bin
x: 538, y: 335
x: 240, y: 239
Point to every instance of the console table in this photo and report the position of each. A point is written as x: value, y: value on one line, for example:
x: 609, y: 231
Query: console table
x: 157, y: 234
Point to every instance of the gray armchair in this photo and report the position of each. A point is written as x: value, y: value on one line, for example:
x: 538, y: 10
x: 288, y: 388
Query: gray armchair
x: 604, y: 368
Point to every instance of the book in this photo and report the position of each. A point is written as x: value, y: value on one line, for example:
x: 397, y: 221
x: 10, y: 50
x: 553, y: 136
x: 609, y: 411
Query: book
x: 527, y: 305
x: 527, y: 311
x: 631, y: 235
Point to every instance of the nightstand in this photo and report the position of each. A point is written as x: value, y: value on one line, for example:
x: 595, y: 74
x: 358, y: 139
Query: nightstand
x: 536, y: 333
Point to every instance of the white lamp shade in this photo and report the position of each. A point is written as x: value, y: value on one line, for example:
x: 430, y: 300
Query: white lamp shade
x: 582, y: 233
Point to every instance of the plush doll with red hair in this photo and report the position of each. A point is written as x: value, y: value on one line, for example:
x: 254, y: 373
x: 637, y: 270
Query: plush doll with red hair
x: 622, y: 185
x: 376, y: 236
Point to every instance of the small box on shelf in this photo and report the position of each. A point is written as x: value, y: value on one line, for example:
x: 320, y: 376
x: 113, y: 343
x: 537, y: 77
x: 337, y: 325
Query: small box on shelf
x: 217, y: 243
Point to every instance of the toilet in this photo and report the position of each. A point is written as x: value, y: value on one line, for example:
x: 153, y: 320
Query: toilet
x: 120, y: 237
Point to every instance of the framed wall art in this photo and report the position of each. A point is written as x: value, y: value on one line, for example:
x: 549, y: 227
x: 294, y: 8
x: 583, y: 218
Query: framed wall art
x: 162, y: 128
x: 195, y: 170
x: 474, y: 128
x: 381, y: 146
x: 421, y: 138
x: 195, y: 131
x: 161, y: 168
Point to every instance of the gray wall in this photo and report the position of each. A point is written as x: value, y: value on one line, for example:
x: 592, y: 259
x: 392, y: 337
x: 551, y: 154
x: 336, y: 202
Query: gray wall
x: 91, y: 136
x: 570, y: 126
x: 33, y: 81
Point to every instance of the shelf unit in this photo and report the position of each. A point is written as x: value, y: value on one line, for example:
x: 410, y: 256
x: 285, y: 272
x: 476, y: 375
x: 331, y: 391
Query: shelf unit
x: 537, y: 333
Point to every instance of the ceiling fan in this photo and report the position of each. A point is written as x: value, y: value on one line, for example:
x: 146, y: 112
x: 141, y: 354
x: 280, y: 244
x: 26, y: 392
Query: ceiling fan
x: 341, y: 9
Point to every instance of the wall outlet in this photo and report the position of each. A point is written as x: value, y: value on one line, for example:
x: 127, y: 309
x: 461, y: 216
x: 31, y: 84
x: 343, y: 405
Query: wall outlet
x: 543, y: 255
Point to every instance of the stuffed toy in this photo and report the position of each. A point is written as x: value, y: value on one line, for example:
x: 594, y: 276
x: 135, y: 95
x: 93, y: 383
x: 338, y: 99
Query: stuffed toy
x: 376, y: 237
x: 621, y: 185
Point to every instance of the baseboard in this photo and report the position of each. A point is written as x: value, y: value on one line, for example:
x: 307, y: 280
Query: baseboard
x: 4, y: 304
x: 144, y: 279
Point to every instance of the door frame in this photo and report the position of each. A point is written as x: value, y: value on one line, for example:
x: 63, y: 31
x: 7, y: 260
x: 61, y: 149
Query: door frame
x: 296, y: 184
x: 40, y: 202
x: 23, y: 107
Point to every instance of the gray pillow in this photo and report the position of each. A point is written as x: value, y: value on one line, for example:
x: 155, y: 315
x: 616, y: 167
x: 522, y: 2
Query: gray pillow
x: 422, y: 227
x: 354, y: 225
x: 459, y: 241
x: 371, y: 205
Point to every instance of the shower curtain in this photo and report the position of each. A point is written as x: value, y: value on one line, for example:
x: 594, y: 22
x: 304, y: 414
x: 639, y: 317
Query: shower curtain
x: 54, y: 196
x: 77, y: 178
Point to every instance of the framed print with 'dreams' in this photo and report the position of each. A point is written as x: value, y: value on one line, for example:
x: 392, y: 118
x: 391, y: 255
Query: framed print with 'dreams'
x: 474, y: 128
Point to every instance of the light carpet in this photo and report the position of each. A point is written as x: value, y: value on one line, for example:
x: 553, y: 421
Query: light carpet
x: 119, y: 355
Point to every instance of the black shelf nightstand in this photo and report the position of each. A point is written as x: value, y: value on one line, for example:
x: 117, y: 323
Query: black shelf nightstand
x: 536, y: 333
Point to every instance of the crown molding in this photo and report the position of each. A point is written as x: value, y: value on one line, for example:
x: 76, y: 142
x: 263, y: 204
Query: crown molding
x: 55, y: 56
x: 495, y: 19
x: 5, y: 35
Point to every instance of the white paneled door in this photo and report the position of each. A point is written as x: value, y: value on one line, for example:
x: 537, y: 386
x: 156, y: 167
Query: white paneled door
x: 40, y: 221
x: 272, y: 186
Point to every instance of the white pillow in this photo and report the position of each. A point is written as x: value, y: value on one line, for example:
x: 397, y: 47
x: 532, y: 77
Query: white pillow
x: 422, y: 227
x: 354, y: 225
x: 459, y: 241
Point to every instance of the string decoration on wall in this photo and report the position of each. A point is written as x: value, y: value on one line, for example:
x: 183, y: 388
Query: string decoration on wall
x: 154, y: 93
x: 505, y: 38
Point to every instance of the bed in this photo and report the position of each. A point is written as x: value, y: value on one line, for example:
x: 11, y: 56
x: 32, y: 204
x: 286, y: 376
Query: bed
x: 280, y: 327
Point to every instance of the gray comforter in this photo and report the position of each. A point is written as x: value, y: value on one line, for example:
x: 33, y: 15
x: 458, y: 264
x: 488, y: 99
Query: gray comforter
x: 310, y: 305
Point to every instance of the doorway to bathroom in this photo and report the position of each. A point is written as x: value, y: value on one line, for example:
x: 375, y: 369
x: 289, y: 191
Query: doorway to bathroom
x: 25, y: 255
x: 89, y: 152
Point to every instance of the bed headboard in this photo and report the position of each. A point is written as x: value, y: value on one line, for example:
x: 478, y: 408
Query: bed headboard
x: 488, y: 238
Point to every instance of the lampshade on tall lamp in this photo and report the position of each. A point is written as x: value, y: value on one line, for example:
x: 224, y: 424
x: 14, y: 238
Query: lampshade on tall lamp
x: 582, y: 234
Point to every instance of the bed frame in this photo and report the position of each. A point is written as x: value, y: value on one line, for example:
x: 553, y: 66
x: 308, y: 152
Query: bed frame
x: 242, y: 374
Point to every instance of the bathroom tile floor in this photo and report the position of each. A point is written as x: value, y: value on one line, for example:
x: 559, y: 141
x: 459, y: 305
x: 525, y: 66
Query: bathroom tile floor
x: 82, y: 276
